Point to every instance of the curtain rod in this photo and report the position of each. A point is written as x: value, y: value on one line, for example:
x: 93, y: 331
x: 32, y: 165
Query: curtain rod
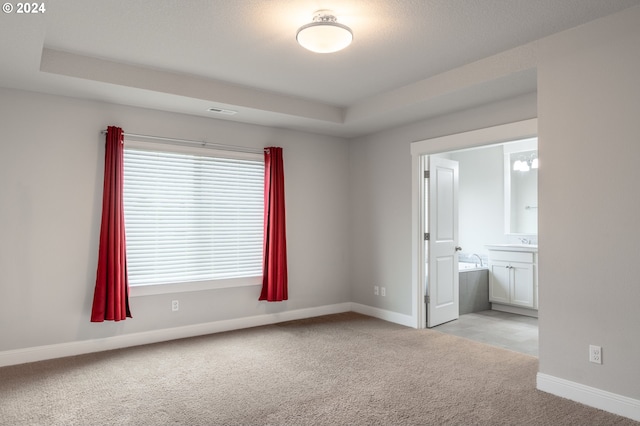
x: 204, y: 144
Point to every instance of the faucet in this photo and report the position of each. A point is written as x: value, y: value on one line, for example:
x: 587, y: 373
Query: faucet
x: 524, y: 241
x: 479, y: 258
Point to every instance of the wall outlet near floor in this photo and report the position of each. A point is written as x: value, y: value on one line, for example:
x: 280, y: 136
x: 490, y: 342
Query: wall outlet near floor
x: 383, y: 291
x: 376, y: 290
x: 175, y: 305
x: 595, y: 354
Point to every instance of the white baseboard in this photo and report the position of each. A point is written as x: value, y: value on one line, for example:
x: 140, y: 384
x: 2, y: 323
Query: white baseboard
x: 593, y: 397
x: 40, y: 353
x: 406, y: 320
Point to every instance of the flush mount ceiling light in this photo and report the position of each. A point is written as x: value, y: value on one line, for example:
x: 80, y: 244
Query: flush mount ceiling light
x: 324, y: 34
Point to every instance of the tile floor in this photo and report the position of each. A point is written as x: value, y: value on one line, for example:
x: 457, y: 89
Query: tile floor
x: 516, y: 332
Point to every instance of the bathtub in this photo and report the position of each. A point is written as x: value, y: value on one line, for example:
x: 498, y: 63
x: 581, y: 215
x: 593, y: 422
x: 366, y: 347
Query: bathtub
x: 473, y: 288
x: 466, y: 266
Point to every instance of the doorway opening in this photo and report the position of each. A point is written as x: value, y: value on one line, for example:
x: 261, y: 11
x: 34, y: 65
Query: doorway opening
x: 484, y: 146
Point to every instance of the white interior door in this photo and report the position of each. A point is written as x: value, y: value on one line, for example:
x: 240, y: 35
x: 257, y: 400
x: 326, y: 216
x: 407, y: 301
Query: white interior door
x: 442, y: 269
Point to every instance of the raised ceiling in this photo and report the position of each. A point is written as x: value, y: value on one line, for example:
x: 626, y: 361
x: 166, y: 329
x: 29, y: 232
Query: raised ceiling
x: 410, y: 59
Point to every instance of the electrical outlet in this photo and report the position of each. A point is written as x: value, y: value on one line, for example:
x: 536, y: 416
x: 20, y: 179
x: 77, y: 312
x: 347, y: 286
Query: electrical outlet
x: 175, y: 305
x: 383, y: 291
x: 595, y: 354
x: 376, y: 290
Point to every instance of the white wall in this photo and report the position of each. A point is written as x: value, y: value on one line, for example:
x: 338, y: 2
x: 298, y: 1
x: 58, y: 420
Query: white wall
x: 380, y: 188
x: 51, y: 170
x: 481, y: 199
x: 589, y: 145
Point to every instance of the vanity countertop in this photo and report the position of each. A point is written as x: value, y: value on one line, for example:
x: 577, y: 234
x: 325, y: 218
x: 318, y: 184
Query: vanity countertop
x: 514, y: 247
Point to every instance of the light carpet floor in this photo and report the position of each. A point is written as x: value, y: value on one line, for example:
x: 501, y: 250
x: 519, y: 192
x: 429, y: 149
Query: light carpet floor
x: 344, y: 369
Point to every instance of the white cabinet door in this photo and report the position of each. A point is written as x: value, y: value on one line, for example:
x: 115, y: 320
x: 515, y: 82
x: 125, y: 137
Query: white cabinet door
x: 522, y: 284
x: 500, y: 282
x: 512, y: 283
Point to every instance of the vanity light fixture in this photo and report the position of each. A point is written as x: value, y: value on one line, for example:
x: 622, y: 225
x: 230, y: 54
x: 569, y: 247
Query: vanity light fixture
x: 517, y: 165
x: 324, y: 34
x: 534, y: 163
x: 526, y: 164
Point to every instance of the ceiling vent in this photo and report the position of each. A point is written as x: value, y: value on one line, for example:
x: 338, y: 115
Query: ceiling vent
x: 222, y: 111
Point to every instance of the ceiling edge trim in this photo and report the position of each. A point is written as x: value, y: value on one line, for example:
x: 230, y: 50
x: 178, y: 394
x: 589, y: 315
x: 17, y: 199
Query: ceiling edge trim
x: 89, y: 68
x: 488, y: 69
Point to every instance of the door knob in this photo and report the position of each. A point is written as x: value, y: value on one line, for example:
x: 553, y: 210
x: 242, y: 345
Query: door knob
x: 458, y: 248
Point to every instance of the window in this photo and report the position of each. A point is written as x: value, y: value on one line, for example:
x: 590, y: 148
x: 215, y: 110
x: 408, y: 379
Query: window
x: 194, y: 217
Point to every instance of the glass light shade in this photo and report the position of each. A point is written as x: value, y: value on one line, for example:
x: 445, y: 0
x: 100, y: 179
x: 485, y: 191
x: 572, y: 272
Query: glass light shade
x: 517, y: 165
x: 534, y: 163
x: 324, y: 37
x: 524, y: 167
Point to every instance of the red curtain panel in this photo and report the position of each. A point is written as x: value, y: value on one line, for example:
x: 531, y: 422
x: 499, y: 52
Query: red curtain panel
x: 111, y: 295
x: 274, y: 278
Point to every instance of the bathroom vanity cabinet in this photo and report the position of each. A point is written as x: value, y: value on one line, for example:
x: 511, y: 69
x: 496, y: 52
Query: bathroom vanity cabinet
x: 513, y: 282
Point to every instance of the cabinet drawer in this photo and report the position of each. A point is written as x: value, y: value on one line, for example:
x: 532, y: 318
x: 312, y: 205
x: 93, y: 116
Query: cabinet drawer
x: 511, y: 256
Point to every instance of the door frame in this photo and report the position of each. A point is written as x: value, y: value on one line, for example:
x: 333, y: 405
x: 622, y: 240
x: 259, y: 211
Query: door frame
x: 419, y: 150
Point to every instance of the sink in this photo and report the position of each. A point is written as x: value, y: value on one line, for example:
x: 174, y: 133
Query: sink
x: 513, y: 247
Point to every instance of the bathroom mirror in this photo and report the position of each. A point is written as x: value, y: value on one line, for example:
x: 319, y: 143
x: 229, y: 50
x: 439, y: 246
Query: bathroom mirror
x: 521, y: 187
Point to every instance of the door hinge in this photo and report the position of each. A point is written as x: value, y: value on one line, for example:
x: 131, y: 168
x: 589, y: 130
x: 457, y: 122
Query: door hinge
x: 426, y: 174
x: 427, y: 299
x: 426, y: 236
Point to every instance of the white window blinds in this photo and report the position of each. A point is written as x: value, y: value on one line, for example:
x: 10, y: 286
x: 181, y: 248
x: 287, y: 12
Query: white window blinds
x: 192, y: 217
